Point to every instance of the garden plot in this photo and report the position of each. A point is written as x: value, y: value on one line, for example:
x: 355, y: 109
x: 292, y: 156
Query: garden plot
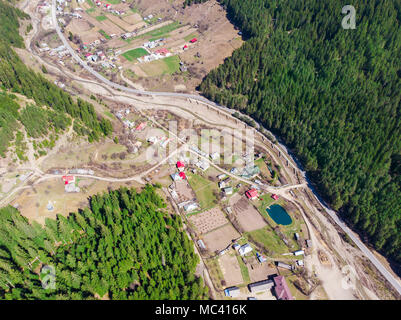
x: 231, y: 270
x: 184, y: 191
x: 260, y: 271
x: 245, y: 214
x: 208, y: 220
x: 220, y: 238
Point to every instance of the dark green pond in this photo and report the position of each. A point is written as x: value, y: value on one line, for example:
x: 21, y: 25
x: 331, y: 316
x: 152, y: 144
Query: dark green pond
x: 279, y: 215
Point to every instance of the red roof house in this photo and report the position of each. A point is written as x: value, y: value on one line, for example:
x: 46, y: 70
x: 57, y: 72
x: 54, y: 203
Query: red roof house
x: 180, y: 164
x: 275, y: 196
x: 182, y: 175
x: 68, y: 179
x: 185, y: 47
x: 141, y: 126
x: 252, y: 194
x: 162, y: 51
x: 193, y: 40
x: 281, y: 289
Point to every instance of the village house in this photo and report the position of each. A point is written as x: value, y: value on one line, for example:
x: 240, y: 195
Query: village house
x: 281, y: 289
x: 252, y: 194
x: 232, y: 292
x: 245, y: 249
x: 261, y: 286
x: 228, y: 190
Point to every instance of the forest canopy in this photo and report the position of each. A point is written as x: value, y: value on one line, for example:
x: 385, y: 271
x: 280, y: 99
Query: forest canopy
x: 125, y: 246
x: 332, y: 94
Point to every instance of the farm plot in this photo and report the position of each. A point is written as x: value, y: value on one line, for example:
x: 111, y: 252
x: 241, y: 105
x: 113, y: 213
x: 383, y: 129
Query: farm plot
x: 133, y: 18
x: 77, y: 26
x: 184, y: 191
x: 208, y: 220
x: 203, y: 189
x: 220, y: 238
x: 135, y: 54
x: 167, y: 65
x: 245, y: 214
x: 260, y: 271
x: 120, y: 22
x: 231, y: 270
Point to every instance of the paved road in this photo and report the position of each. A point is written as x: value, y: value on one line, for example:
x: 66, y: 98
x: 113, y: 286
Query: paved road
x: 390, y: 278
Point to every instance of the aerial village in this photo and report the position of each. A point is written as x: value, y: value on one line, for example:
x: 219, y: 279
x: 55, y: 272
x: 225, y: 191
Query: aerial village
x: 116, y: 40
x: 252, y: 242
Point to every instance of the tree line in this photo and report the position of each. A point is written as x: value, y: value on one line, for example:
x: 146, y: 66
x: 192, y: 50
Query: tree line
x: 124, y: 246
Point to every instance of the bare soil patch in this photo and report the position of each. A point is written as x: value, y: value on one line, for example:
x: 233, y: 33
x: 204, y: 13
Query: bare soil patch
x: 208, y: 220
x: 245, y: 214
x: 184, y: 191
x: 231, y: 270
x: 219, y: 239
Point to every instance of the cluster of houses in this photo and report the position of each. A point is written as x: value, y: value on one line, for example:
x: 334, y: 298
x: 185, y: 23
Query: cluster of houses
x: 190, y: 205
x: 43, y: 7
x: 154, y: 43
x: 158, y: 54
x: 224, y: 184
x: 128, y: 123
x: 108, y: 7
x: 60, y: 51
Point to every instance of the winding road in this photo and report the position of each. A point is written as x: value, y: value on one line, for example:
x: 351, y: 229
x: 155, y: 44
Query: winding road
x: 386, y: 274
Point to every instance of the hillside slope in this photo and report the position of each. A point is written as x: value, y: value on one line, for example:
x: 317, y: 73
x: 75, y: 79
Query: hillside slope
x: 52, y: 109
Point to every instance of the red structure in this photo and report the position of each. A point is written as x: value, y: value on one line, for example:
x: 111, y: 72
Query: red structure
x: 275, y: 196
x: 180, y: 165
x: 162, y: 51
x: 182, y: 175
x: 252, y: 194
x: 141, y: 126
x: 193, y: 40
x: 281, y: 289
x: 68, y: 179
x: 185, y: 47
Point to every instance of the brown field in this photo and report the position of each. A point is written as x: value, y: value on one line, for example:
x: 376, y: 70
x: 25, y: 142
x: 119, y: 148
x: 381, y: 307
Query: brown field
x: 119, y: 21
x: 136, y: 26
x: 133, y: 19
x: 90, y: 36
x: 219, y: 239
x: 208, y: 220
x: 78, y: 26
x: 231, y: 271
x: 33, y: 202
x: 184, y: 191
x: 245, y: 214
x: 260, y: 271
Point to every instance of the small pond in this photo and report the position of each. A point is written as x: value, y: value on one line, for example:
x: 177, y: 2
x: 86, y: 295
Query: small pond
x: 279, y: 215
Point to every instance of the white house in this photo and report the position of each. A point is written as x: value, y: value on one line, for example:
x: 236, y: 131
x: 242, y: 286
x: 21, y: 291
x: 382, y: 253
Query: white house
x: 191, y: 206
x: 299, y: 253
x: 246, y: 248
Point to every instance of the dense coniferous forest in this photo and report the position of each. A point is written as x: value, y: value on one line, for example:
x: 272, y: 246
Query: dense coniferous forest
x: 18, y: 78
x: 332, y: 94
x: 125, y: 246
